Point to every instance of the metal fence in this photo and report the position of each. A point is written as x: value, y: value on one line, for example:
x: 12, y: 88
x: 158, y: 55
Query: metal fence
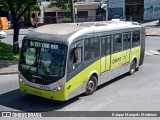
x: 52, y: 20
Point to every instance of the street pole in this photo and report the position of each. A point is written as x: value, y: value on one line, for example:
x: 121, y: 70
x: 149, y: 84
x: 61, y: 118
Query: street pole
x: 107, y: 10
x: 72, y: 11
x: 75, y: 12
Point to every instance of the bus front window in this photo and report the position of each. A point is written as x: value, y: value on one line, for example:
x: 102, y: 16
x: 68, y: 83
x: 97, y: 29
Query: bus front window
x: 45, y: 60
x: 50, y: 63
x: 30, y: 56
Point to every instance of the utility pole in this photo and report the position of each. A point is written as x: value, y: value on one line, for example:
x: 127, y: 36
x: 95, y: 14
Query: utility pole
x: 72, y: 11
x: 107, y: 15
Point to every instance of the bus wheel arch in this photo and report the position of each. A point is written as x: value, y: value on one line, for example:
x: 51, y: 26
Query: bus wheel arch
x: 91, y: 84
x: 133, y: 66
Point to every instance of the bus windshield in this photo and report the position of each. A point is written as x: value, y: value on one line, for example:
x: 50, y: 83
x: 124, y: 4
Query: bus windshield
x: 42, y: 62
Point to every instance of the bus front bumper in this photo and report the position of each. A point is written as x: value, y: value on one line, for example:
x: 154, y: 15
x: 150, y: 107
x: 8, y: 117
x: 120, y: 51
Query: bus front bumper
x: 59, y: 96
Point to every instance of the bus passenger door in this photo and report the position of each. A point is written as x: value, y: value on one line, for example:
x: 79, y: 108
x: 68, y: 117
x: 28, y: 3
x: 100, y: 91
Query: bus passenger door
x: 105, y: 53
x: 126, y: 47
x: 108, y: 53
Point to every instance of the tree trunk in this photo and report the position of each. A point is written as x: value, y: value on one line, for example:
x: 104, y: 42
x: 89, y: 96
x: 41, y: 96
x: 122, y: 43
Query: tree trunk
x: 28, y: 16
x: 16, y: 36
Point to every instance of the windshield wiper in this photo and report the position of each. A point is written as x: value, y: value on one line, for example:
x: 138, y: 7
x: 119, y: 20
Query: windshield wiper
x: 35, y: 76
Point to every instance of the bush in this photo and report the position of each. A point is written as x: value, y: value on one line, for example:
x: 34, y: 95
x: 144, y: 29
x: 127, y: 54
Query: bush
x: 6, y: 52
x: 67, y: 20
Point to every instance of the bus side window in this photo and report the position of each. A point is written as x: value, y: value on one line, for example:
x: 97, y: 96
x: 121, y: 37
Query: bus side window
x: 75, y: 56
x: 117, y: 43
x: 108, y: 45
x: 105, y: 45
x: 135, y: 38
x: 126, y: 41
x: 91, y: 48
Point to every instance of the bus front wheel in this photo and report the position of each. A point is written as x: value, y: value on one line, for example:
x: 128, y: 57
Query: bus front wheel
x: 91, y: 85
x: 132, y: 67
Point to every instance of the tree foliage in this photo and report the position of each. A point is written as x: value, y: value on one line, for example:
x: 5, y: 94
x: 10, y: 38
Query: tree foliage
x: 20, y: 7
x: 62, y: 4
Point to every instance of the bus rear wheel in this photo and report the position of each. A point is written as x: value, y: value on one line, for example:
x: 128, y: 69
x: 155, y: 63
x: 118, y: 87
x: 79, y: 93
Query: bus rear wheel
x: 132, y: 67
x: 91, y: 85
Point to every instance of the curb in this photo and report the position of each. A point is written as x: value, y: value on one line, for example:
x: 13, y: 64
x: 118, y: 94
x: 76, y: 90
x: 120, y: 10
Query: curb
x: 8, y: 73
x: 19, y: 34
x: 151, y: 25
x: 153, y: 33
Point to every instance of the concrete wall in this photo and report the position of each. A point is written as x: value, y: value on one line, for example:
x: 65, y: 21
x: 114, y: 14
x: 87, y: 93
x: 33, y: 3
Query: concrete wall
x: 151, y: 9
x: 90, y: 8
x: 81, y: 6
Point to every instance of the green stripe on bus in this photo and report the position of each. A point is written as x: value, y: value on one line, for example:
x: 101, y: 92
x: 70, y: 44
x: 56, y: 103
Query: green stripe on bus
x: 83, y: 76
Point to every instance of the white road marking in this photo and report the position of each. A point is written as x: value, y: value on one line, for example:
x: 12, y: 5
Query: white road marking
x: 148, y: 53
x: 156, y: 53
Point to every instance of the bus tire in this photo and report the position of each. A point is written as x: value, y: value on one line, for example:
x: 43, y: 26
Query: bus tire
x: 137, y: 68
x: 132, y: 67
x: 91, y: 85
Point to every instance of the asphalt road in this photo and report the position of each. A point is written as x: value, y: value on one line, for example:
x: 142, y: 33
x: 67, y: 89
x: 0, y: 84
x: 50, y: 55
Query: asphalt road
x: 138, y: 92
x: 9, y: 38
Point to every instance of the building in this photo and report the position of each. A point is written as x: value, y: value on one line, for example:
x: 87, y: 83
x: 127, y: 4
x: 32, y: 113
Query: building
x: 142, y: 9
x: 116, y: 9
x: 151, y: 9
x: 134, y: 9
x: 85, y: 10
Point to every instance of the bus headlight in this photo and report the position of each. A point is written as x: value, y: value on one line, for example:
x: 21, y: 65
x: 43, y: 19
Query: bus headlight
x: 58, y: 88
x: 20, y: 80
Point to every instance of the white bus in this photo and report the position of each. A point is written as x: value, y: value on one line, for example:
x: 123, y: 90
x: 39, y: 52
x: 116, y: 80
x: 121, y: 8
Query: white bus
x: 61, y: 61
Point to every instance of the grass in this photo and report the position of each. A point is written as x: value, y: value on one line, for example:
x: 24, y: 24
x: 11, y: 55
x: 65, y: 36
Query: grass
x: 6, y: 52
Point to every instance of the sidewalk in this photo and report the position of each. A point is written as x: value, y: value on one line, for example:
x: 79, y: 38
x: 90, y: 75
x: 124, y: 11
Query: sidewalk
x: 21, y: 32
x: 151, y: 24
x: 11, y: 67
x: 8, y: 67
x: 155, y: 33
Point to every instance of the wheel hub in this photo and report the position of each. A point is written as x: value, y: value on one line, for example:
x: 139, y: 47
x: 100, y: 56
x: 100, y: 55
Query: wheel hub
x: 90, y: 85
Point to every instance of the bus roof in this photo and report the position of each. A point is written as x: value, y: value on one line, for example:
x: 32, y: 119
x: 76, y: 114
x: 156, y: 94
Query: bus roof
x: 61, y: 32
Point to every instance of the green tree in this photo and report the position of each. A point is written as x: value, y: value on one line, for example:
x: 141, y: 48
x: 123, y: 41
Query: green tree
x: 63, y: 4
x: 18, y: 8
